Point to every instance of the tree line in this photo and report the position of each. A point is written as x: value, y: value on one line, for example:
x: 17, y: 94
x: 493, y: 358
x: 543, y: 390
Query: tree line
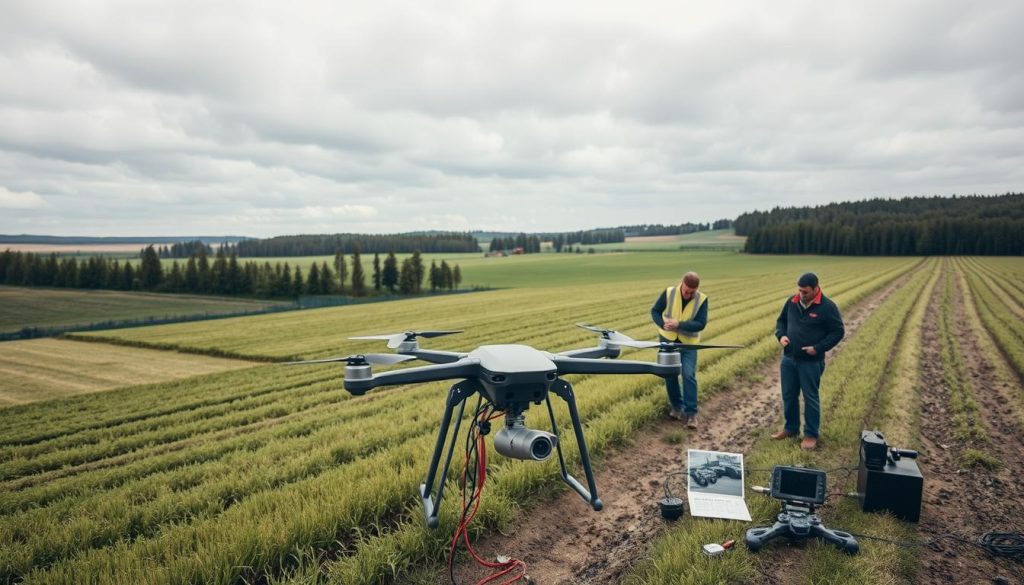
x: 915, y: 226
x: 657, y: 229
x: 223, y: 274
x: 320, y: 245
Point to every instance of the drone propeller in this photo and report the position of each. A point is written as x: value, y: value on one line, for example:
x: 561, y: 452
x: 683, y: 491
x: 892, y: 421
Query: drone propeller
x: 673, y: 346
x: 396, y: 339
x: 609, y: 334
x: 380, y: 359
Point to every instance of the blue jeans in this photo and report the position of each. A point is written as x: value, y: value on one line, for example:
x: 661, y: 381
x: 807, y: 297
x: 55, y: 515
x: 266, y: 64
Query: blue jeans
x: 686, y: 400
x: 805, y: 376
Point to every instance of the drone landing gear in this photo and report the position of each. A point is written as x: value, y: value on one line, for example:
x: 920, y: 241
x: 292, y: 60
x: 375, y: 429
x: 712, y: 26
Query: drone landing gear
x: 800, y: 523
x: 457, y: 396
x: 564, y: 391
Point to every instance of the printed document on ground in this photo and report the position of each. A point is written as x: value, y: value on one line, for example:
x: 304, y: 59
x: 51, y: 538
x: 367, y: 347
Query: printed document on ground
x: 714, y: 487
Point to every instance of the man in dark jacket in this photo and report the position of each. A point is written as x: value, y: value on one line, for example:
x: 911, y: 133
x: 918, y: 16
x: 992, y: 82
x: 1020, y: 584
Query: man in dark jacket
x: 808, y: 326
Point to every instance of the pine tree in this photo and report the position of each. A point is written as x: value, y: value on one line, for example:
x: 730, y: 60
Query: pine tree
x: 284, y: 284
x: 389, y: 276
x: 205, y: 278
x: 456, y: 276
x: 376, y: 271
x: 191, y: 275
x: 298, y: 286
x: 342, y: 269
x: 358, y: 278
x: 176, y: 280
x: 313, y: 281
x: 219, y: 273
x: 407, y: 277
x: 326, y: 278
x: 434, y: 276
x: 235, y: 276
x: 420, y: 270
x: 447, y: 280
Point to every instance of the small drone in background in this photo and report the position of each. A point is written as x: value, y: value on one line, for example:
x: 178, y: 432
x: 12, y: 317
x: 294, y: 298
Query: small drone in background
x: 507, y: 379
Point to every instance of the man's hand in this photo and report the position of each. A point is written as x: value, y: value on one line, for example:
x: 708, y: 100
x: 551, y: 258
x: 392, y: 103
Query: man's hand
x: 810, y: 350
x: 671, y: 324
x: 784, y: 341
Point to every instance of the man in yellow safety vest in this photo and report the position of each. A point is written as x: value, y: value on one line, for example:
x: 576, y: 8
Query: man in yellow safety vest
x: 681, y: 313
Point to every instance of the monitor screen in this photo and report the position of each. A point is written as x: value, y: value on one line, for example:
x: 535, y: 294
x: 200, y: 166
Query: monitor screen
x: 798, y: 484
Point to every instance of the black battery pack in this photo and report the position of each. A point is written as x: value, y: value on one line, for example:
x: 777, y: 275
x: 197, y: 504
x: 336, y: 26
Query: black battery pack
x: 893, y: 484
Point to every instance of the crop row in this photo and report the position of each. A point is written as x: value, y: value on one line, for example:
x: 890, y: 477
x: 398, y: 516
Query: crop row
x: 1006, y: 328
x: 963, y: 403
x: 1006, y: 380
x: 852, y: 383
x: 1006, y: 285
x: 202, y: 528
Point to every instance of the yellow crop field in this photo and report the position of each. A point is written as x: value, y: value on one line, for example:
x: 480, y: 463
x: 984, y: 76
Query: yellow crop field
x: 43, y: 369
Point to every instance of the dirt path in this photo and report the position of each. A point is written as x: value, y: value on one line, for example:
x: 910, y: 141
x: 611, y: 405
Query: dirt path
x: 564, y: 542
x: 967, y: 502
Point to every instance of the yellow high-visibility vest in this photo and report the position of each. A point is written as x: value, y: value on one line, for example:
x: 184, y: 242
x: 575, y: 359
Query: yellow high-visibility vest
x: 674, y: 310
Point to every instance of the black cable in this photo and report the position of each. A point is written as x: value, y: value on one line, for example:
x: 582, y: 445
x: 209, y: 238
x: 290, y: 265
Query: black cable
x: 997, y: 544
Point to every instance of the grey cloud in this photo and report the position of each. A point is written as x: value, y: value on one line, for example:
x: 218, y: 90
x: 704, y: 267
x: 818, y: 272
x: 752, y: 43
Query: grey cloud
x: 268, y: 119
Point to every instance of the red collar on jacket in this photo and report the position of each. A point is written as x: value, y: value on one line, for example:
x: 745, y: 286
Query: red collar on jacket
x: 816, y: 301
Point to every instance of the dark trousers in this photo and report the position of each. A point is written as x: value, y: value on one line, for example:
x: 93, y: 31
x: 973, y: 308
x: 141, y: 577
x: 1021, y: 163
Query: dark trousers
x: 801, y: 376
x: 685, y: 400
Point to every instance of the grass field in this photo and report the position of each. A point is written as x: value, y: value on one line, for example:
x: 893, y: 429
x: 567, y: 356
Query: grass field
x: 547, y: 288
x: 275, y: 474
x: 43, y: 307
x: 43, y: 369
x: 551, y: 270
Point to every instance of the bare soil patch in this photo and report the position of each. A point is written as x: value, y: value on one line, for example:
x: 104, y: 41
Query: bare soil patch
x: 564, y: 542
x: 962, y: 501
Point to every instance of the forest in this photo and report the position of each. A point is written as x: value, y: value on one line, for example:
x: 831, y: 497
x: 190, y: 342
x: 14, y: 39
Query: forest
x: 915, y: 226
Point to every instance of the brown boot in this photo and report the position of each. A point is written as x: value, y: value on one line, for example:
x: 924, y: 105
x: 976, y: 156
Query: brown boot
x: 783, y: 434
x: 809, y: 443
x: 691, y: 421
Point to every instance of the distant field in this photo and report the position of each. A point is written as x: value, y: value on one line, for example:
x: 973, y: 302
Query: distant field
x: 74, y: 249
x: 43, y: 307
x: 550, y: 269
x: 42, y: 369
x: 717, y: 239
x: 627, y: 283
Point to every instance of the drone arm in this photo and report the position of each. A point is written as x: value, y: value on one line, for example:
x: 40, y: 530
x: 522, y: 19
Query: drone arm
x: 435, y: 356
x: 464, y: 368
x: 573, y: 365
x: 592, y: 352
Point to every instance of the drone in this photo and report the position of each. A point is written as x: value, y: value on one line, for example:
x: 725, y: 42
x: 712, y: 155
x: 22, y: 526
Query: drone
x: 508, y: 378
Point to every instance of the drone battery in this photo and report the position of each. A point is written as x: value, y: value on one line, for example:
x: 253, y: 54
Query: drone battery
x: 895, y: 488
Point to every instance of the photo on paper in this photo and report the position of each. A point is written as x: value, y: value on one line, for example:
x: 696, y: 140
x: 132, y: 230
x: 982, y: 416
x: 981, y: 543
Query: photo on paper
x: 714, y: 485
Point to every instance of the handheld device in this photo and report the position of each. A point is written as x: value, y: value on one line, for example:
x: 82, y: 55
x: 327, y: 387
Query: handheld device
x: 801, y: 490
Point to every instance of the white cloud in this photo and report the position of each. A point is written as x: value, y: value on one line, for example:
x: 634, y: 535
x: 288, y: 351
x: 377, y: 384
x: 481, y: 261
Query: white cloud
x: 24, y: 200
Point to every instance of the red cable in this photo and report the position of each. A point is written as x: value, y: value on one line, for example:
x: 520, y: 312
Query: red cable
x: 463, y: 528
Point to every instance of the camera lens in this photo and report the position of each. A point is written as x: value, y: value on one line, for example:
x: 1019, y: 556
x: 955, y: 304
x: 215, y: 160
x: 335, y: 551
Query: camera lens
x: 541, y: 448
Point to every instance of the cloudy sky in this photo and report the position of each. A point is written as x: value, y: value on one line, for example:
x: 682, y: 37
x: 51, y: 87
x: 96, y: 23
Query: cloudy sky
x: 251, y: 118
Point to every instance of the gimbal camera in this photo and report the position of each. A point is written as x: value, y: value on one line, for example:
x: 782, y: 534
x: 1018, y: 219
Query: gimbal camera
x: 508, y: 378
